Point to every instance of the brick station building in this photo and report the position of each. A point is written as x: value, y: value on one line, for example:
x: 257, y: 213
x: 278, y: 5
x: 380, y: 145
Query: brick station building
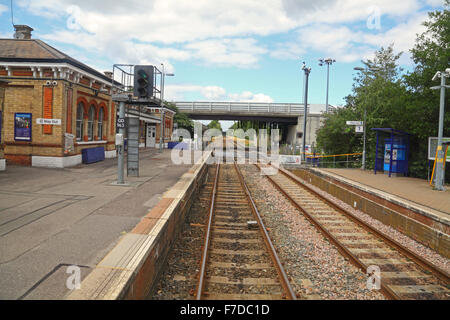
x: 53, y: 106
x: 44, y: 83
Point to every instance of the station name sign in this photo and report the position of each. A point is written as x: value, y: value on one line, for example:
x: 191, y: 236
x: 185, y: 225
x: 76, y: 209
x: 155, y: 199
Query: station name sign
x: 54, y: 122
x: 355, y: 123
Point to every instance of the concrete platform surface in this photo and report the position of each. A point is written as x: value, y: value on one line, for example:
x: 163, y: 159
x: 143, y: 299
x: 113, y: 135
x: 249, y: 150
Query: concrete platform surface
x: 51, y: 219
x: 414, y: 190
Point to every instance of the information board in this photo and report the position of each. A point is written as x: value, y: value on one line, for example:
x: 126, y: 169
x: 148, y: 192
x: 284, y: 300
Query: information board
x: 432, y: 147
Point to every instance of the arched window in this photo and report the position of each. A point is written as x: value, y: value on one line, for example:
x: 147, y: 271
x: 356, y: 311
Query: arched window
x: 80, y: 115
x: 100, y: 124
x: 91, y: 118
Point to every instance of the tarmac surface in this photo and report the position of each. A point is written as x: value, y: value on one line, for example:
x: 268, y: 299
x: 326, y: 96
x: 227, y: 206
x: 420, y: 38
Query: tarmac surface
x: 415, y: 190
x: 51, y: 219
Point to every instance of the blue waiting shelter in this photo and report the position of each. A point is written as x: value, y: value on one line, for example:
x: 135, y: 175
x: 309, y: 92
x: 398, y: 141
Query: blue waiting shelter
x: 392, y: 151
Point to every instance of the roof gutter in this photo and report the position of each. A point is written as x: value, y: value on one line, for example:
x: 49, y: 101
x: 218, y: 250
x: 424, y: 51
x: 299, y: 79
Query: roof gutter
x: 61, y: 63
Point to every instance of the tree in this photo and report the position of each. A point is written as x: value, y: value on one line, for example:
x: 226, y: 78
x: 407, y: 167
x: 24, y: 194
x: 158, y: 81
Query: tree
x: 378, y: 90
x: 404, y: 102
x: 181, y: 119
x: 215, y: 124
x: 430, y: 54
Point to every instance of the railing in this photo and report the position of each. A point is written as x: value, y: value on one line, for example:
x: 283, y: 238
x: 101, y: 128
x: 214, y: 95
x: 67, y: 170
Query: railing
x: 246, y: 107
x: 348, y: 160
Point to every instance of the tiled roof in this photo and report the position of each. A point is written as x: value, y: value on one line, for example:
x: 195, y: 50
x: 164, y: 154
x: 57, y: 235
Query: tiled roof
x: 27, y: 49
x: 35, y: 50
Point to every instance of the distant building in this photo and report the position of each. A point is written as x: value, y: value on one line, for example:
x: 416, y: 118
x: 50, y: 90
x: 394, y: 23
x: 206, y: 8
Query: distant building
x: 149, y: 124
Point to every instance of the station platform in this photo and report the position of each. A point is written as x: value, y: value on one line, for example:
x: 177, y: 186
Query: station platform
x: 417, y: 191
x: 409, y: 205
x: 54, y: 218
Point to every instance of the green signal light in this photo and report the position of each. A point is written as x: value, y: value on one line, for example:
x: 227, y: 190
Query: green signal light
x: 143, y: 81
x: 143, y: 74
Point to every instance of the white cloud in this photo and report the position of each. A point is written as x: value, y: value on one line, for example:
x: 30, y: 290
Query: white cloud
x: 346, y: 44
x: 178, y: 92
x: 288, y: 50
x: 3, y: 8
x: 345, y: 11
x: 238, y: 52
x: 222, y: 33
x: 434, y: 3
x: 227, y: 52
x: 248, y: 96
x: 341, y: 43
x: 170, y: 21
x: 402, y: 35
x: 177, y: 21
x: 212, y: 93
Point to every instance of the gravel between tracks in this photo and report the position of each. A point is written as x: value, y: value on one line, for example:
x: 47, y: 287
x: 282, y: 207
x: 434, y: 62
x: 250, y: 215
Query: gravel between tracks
x: 416, y: 247
x: 317, y: 269
x: 182, y: 265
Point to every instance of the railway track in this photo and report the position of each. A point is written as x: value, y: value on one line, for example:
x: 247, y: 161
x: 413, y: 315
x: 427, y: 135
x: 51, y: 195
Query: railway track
x: 238, y: 258
x: 403, y: 274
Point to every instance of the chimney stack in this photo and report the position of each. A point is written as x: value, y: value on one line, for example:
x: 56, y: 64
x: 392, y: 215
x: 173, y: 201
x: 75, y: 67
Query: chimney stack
x: 23, y: 32
x: 109, y: 74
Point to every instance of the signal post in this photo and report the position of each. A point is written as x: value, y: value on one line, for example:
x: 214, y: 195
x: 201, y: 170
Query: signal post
x: 138, y: 88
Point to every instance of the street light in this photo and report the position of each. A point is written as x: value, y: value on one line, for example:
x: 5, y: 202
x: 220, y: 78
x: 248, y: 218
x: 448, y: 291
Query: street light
x: 161, y: 137
x: 364, y: 123
x: 328, y: 62
x: 307, y: 71
x: 440, y: 156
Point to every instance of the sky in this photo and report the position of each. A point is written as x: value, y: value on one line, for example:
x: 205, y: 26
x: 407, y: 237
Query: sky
x: 233, y: 50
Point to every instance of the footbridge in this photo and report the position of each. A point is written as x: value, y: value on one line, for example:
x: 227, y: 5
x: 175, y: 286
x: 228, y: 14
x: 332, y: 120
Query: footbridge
x: 261, y: 111
x: 290, y: 114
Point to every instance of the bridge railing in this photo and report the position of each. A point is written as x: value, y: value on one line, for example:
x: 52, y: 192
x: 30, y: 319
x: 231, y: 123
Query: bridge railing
x: 244, y: 107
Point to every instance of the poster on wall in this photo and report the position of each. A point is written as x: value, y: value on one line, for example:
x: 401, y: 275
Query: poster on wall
x: 22, y: 126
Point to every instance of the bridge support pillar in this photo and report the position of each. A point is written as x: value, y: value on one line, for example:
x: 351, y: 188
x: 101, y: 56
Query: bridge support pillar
x: 294, y: 137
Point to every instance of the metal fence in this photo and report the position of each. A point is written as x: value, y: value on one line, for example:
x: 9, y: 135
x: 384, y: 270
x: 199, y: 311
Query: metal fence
x: 350, y: 160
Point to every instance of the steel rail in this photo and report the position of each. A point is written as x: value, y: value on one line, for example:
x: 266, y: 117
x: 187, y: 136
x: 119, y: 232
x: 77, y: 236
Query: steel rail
x: 439, y: 273
x: 202, y: 273
x: 387, y: 292
x: 276, y: 260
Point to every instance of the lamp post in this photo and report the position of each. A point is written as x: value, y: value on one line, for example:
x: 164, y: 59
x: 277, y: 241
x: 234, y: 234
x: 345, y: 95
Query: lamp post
x: 363, y: 167
x: 307, y: 71
x: 440, y: 155
x: 328, y: 62
x: 161, y: 137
